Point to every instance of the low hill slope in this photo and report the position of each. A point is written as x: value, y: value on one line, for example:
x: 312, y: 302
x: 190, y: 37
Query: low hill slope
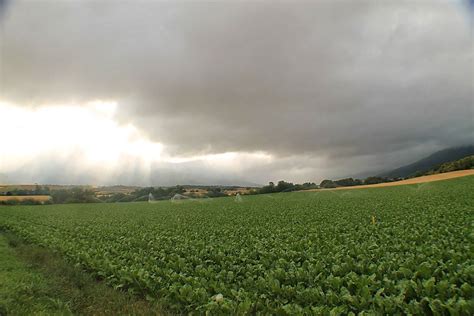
x: 423, y: 179
x: 430, y: 162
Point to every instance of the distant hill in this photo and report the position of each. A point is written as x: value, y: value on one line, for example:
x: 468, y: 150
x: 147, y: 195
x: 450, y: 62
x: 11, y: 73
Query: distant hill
x: 3, y: 178
x: 430, y: 162
x: 461, y: 164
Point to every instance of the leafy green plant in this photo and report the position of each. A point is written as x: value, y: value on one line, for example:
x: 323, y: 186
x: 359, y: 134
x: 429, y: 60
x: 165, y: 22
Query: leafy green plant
x: 293, y: 253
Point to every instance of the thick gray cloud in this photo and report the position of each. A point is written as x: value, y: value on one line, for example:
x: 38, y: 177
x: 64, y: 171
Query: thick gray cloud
x: 345, y: 81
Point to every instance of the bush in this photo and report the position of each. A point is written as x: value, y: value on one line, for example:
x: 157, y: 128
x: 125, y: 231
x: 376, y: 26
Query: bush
x: 375, y: 180
x: 327, y: 184
x: 23, y: 202
x: 348, y: 182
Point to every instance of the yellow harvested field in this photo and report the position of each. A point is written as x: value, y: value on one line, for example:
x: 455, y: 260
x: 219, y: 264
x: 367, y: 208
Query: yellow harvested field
x: 423, y: 179
x: 40, y: 198
x: 235, y: 191
x: 52, y: 187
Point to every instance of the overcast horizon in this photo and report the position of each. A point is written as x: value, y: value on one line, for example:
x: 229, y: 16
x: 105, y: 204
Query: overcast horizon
x: 231, y: 92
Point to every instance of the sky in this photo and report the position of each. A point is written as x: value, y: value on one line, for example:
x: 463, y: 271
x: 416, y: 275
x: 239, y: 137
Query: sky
x: 229, y: 92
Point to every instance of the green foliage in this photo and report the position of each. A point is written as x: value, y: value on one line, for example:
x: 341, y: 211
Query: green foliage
x: 348, y: 182
x: 396, y: 250
x: 462, y: 164
x: 159, y: 193
x: 270, y: 188
x: 22, y: 290
x: 36, y: 281
x: 327, y: 184
x: 304, y: 186
x: 375, y: 180
x: 38, y: 190
x: 284, y: 186
x: 74, y: 195
x: 24, y: 202
x: 215, y: 192
x: 430, y: 162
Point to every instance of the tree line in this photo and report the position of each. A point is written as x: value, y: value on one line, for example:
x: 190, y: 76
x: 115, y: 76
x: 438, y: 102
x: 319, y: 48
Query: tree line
x: 87, y: 195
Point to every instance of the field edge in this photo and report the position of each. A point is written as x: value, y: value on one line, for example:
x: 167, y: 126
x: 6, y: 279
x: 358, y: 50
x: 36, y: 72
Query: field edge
x: 45, y: 283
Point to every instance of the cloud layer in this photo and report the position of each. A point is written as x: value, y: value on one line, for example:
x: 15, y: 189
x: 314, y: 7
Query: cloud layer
x: 317, y: 85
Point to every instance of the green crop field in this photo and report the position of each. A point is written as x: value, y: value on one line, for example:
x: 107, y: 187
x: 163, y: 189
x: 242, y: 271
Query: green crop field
x: 289, y: 253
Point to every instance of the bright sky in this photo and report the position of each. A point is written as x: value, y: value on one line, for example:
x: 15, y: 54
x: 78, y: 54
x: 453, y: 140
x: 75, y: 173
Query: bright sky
x: 89, y: 133
x: 87, y: 130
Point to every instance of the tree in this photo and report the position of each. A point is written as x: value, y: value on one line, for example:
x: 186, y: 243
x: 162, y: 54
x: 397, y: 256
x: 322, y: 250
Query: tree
x: 270, y: 188
x: 347, y: 182
x: 327, y: 184
x: 284, y: 186
x: 375, y: 180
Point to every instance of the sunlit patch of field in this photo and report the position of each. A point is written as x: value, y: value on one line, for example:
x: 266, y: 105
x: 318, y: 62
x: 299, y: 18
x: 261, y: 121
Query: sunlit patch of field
x: 109, y: 190
x: 204, y: 192
x: 4, y: 188
x: 30, y: 187
x: 239, y: 191
x: 196, y: 192
x: 40, y: 198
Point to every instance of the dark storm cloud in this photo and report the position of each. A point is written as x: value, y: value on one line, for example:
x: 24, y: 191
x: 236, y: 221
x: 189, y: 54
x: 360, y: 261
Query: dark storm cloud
x: 330, y: 79
x: 3, y: 5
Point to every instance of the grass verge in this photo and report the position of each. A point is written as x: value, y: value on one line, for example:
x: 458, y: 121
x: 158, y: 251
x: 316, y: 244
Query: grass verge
x: 36, y: 281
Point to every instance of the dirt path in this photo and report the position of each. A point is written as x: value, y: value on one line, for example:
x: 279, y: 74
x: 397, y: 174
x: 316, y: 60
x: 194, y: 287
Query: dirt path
x: 430, y: 178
